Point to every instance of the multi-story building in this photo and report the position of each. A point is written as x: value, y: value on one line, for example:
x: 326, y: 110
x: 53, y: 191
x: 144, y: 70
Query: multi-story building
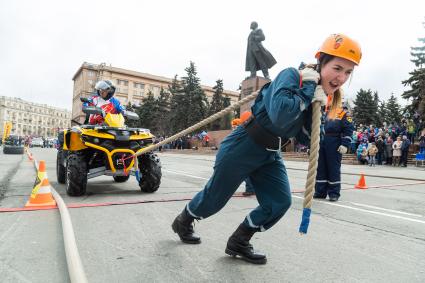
x: 32, y: 119
x: 131, y: 86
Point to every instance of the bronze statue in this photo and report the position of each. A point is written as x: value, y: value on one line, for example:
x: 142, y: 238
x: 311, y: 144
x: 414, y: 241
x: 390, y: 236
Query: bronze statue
x: 258, y: 57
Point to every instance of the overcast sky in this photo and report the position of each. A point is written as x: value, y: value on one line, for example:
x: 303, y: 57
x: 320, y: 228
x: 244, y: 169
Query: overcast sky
x: 43, y: 43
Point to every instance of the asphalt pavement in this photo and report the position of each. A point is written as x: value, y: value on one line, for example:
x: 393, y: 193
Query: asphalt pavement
x: 373, y: 235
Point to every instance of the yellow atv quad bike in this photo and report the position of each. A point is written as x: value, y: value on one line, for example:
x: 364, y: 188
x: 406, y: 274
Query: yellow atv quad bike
x: 89, y: 151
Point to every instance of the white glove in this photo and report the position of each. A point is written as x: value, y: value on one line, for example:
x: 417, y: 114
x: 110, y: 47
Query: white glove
x: 310, y: 74
x: 320, y: 96
x: 342, y: 149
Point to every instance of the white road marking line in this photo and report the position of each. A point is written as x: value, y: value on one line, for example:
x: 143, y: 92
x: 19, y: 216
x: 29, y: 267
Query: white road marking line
x: 184, y: 174
x: 370, y: 211
x: 386, y: 209
x: 339, y: 205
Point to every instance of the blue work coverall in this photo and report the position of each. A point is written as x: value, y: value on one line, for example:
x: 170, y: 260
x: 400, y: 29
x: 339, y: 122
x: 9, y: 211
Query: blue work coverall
x: 249, y: 188
x: 337, y: 132
x: 282, y: 108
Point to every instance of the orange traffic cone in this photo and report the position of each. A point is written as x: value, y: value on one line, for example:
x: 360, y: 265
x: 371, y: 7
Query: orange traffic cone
x: 41, y: 194
x: 29, y: 154
x: 362, y: 183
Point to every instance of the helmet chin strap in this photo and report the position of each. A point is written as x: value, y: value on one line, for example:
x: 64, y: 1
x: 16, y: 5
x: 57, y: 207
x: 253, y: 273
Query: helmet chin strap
x: 109, y: 95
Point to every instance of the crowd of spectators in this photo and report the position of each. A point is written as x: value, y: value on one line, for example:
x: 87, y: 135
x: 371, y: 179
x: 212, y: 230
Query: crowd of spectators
x: 389, y: 144
x: 194, y: 141
x: 386, y: 145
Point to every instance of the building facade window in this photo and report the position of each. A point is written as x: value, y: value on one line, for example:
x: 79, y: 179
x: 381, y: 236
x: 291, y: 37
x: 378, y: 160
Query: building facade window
x: 122, y: 82
x: 139, y: 85
x: 139, y: 92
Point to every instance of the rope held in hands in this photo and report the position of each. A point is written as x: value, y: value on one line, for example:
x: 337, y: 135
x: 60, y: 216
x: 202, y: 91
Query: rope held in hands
x: 204, y: 122
x: 312, y: 168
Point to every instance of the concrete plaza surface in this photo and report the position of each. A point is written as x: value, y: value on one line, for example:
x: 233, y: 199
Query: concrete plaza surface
x: 373, y: 235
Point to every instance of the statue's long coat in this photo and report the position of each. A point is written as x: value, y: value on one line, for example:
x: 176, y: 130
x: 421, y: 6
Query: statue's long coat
x: 258, y: 57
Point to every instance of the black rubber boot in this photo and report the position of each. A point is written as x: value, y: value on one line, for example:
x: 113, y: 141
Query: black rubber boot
x: 318, y: 196
x: 238, y: 245
x: 183, y: 226
x: 333, y: 198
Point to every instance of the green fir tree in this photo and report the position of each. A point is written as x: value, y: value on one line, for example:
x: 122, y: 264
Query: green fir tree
x: 217, y: 104
x: 382, y: 113
x: 393, y: 110
x: 179, y: 106
x: 364, y: 111
x: 377, y: 120
x: 198, y: 103
x: 226, y: 120
x: 189, y: 102
x: 416, y: 95
x: 148, y: 113
x: 162, y: 116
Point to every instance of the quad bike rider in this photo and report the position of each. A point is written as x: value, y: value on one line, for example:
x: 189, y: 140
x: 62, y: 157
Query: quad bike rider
x: 105, y: 146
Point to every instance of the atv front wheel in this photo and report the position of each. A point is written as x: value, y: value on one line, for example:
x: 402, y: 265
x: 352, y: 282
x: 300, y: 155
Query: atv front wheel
x: 10, y: 149
x: 150, y: 169
x: 121, y: 179
x: 76, y: 174
x: 60, y: 168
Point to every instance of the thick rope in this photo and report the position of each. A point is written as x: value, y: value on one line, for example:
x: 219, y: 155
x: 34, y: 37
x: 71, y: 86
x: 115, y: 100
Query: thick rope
x: 312, y: 167
x: 204, y: 122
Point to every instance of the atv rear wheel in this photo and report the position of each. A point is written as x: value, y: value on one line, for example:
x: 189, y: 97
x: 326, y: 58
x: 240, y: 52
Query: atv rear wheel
x: 76, y: 174
x: 121, y: 179
x: 60, y: 168
x: 150, y: 169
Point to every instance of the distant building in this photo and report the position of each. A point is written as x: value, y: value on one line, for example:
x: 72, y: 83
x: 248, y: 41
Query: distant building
x: 131, y: 86
x: 32, y: 119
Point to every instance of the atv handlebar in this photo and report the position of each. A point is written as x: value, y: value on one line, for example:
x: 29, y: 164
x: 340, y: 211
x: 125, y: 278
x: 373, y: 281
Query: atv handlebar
x: 93, y: 110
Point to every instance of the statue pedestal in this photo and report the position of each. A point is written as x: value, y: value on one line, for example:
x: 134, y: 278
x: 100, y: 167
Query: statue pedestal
x: 249, y: 86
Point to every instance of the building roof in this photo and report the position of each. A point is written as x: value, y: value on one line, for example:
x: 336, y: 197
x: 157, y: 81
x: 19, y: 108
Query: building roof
x: 96, y: 67
x: 20, y: 100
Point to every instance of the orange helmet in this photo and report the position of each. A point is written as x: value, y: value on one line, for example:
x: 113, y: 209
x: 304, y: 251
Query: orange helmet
x: 340, y: 45
x: 245, y: 115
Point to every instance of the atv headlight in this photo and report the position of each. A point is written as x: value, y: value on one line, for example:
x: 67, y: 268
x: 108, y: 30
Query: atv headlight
x: 93, y: 140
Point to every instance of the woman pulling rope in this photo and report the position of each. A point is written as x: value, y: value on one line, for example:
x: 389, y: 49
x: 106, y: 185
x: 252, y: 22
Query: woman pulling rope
x: 282, y: 110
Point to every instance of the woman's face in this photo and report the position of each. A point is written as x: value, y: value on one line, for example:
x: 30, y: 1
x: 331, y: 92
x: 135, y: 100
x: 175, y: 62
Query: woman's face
x: 335, y: 73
